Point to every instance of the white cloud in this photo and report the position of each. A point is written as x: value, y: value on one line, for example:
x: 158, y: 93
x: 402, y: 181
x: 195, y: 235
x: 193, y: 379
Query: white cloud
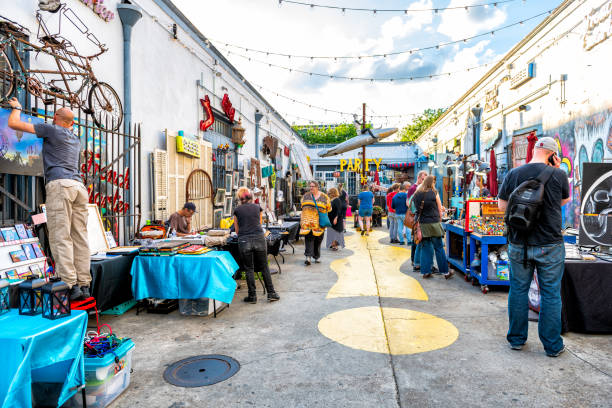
x: 459, y: 24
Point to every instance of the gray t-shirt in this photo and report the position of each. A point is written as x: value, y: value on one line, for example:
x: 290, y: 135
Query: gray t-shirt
x: 61, y: 152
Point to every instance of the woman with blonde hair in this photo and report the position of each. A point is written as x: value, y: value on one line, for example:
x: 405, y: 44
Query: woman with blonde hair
x: 429, y: 213
x: 335, y: 234
x: 252, y: 244
x: 313, y: 203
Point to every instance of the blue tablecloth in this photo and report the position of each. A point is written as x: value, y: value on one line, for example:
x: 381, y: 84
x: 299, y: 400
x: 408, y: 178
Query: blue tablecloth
x: 37, y: 350
x: 185, y: 276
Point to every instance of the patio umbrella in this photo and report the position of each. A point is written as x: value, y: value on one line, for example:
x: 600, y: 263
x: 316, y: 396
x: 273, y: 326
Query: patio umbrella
x: 492, y: 176
x: 531, y: 140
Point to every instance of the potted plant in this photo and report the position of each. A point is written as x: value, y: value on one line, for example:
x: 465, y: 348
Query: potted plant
x: 377, y: 214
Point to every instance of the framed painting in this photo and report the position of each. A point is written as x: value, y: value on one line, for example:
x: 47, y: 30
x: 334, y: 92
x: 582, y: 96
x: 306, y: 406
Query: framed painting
x: 217, y: 216
x: 228, y: 183
x: 227, y: 208
x: 229, y: 161
x: 236, y: 180
x: 219, y: 197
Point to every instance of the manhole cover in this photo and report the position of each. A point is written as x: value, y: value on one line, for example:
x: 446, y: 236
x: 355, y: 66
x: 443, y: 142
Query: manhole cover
x: 201, y: 370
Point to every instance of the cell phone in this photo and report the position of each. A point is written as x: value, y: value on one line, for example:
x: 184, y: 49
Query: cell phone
x: 551, y: 159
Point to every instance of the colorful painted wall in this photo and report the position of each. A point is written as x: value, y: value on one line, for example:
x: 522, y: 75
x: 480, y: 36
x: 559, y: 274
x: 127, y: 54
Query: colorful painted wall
x: 586, y: 139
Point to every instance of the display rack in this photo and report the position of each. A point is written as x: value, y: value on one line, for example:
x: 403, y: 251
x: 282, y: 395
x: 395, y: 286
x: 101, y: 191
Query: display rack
x: 461, y: 263
x: 484, y: 277
x: 6, y: 264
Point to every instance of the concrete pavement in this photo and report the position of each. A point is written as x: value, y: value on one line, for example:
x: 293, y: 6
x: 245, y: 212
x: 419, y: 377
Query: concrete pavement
x: 286, y: 361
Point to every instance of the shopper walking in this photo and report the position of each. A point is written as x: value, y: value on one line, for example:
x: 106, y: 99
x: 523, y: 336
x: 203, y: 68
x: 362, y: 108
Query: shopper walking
x: 252, y: 245
x: 391, y: 214
x: 414, y: 249
x: 67, y: 198
x: 366, y: 205
x: 400, y: 207
x: 544, y: 251
x: 335, y: 234
x: 313, y: 203
x: 344, y: 198
x: 429, y: 213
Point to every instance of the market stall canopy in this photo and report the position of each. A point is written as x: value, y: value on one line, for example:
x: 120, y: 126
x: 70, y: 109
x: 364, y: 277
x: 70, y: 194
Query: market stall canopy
x: 298, y: 156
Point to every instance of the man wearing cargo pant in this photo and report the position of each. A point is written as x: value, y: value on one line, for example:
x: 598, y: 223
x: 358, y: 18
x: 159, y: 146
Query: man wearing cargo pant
x: 67, y: 197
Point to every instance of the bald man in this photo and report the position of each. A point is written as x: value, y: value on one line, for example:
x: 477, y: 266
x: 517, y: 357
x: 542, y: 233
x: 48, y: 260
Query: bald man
x: 67, y: 197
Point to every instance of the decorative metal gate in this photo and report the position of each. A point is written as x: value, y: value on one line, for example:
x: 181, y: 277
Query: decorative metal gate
x: 199, y: 190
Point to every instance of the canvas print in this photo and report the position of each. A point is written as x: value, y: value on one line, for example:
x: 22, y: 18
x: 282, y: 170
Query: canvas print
x: 30, y: 232
x: 596, y: 207
x: 228, y: 183
x: 21, y: 231
x: 229, y: 161
x: 35, y: 269
x: 217, y: 216
x: 227, y: 208
x: 219, y: 197
x: 236, y: 180
x: 10, y: 234
x: 29, y: 251
x: 38, y: 250
x: 12, y: 274
x: 23, y: 275
x: 18, y: 256
x: 20, y: 153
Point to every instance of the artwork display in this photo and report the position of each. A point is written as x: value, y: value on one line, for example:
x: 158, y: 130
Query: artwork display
x: 10, y: 234
x: 20, y: 153
x: 596, y: 208
x: 229, y: 161
x: 219, y: 197
x: 12, y: 274
x: 35, y: 269
x: 18, y: 256
x: 21, y: 231
x: 227, y: 208
x: 38, y: 250
x: 217, y: 216
x: 29, y: 232
x: 228, y: 184
x: 29, y: 251
x: 235, y: 180
x: 95, y: 230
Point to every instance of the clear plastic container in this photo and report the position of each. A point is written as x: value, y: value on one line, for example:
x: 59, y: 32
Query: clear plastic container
x: 107, y: 377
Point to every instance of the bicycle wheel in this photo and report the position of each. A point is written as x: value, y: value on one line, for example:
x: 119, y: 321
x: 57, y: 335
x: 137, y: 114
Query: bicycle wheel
x: 6, y: 77
x: 106, y: 106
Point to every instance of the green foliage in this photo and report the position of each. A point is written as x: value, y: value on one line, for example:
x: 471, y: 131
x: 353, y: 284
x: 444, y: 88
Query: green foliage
x: 326, y: 134
x: 420, y: 124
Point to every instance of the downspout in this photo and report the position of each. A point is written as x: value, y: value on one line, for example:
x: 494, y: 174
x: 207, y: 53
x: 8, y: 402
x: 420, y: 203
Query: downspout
x: 258, y: 118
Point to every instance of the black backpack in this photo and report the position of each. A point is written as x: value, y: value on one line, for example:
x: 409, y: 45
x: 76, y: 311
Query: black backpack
x: 525, y: 203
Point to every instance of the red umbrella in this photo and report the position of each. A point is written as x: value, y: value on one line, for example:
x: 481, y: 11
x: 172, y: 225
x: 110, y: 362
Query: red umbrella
x: 531, y: 139
x: 492, y: 176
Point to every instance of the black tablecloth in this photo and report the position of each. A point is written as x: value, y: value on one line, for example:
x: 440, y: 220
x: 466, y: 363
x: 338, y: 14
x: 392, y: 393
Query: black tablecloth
x: 586, y: 290
x: 273, y: 241
x: 111, y: 282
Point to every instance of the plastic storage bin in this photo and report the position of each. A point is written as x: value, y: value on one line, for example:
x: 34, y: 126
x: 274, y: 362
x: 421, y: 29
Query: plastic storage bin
x: 107, y: 377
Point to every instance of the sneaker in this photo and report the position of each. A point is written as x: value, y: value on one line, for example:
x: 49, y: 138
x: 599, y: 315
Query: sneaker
x: 251, y: 299
x: 558, y: 353
x: 427, y: 275
x: 75, y: 293
x: 85, y: 291
x: 417, y: 267
x: 307, y: 261
x: 449, y: 275
x: 518, y: 347
x: 273, y: 297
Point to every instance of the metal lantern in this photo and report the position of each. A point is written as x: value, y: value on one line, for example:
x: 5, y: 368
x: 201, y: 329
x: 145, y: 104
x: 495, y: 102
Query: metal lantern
x: 30, y: 296
x: 4, y: 296
x: 55, y: 299
x: 238, y: 133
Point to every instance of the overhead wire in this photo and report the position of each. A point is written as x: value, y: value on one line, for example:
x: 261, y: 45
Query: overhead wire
x: 403, y: 10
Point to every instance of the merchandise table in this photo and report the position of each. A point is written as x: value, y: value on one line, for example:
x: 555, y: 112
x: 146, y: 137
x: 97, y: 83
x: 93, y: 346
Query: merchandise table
x: 483, y: 277
x: 42, y: 359
x: 111, y: 280
x: 461, y: 263
x: 585, y: 294
x: 273, y: 242
x: 185, y: 276
x: 288, y: 232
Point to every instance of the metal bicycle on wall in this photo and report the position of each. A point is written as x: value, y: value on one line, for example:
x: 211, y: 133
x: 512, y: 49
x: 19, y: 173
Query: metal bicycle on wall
x: 73, y: 77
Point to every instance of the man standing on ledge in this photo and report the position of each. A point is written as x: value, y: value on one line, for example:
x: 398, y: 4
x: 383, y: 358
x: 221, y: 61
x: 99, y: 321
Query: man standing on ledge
x: 180, y: 221
x: 545, y: 251
x: 67, y: 198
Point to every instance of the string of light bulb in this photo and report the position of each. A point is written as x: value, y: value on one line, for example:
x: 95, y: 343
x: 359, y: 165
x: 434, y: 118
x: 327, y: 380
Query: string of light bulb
x: 466, y: 7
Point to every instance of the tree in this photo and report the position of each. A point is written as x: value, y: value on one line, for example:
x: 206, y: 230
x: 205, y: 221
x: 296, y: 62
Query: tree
x: 314, y: 134
x: 420, y: 124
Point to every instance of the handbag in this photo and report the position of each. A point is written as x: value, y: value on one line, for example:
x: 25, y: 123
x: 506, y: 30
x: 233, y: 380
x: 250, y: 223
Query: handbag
x: 417, y: 234
x: 323, y: 218
x: 409, y: 219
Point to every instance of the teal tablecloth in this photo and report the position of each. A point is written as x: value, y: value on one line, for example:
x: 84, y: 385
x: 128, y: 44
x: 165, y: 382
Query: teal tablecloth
x: 37, y: 350
x: 185, y: 276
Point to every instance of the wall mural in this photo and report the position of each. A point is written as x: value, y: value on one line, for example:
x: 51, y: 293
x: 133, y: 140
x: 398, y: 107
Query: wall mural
x: 582, y: 140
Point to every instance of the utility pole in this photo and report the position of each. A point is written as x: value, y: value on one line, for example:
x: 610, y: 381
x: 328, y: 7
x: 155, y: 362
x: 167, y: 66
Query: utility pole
x: 363, y: 153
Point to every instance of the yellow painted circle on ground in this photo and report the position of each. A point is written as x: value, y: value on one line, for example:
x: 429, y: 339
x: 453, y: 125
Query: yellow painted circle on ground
x: 408, y: 331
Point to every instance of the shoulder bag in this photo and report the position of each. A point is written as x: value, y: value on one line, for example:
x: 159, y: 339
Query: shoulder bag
x: 409, y: 218
x: 417, y: 234
x: 323, y: 218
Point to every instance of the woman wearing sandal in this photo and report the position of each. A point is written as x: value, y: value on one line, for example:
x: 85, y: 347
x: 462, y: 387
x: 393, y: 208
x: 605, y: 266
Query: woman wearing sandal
x: 313, y: 203
x: 335, y: 234
x: 429, y: 212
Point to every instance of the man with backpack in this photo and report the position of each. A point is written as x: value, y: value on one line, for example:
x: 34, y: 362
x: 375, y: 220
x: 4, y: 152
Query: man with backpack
x: 532, y: 196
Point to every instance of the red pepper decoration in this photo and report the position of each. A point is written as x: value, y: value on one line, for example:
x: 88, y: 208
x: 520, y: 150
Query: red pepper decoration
x: 210, y: 118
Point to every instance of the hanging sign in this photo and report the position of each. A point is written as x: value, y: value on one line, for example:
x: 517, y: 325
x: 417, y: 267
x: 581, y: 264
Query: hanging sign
x: 356, y: 164
x: 100, y: 9
x: 114, y: 202
x: 210, y: 118
x: 227, y: 108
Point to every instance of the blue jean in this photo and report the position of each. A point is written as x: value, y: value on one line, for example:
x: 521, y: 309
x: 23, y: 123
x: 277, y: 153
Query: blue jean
x: 429, y: 247
x: 415, y: 255
x: 392, y: 226
x: 549, y: 260
x: 399, y: 219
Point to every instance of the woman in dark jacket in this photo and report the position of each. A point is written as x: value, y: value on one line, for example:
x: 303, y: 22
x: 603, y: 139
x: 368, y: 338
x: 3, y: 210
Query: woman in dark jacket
x: 252, y: 245
x: 335, y: 234
x: 428, y: 213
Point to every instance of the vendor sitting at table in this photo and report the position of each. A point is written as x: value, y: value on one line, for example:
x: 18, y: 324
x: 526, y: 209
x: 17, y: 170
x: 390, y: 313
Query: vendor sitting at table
x: 180, y: 221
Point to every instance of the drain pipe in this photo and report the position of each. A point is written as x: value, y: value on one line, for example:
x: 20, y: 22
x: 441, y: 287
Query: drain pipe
x: 258, y: 118
x: 129, y: 15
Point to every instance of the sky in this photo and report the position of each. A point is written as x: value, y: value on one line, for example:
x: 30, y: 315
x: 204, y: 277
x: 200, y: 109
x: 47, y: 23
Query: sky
x: 302, y: 30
